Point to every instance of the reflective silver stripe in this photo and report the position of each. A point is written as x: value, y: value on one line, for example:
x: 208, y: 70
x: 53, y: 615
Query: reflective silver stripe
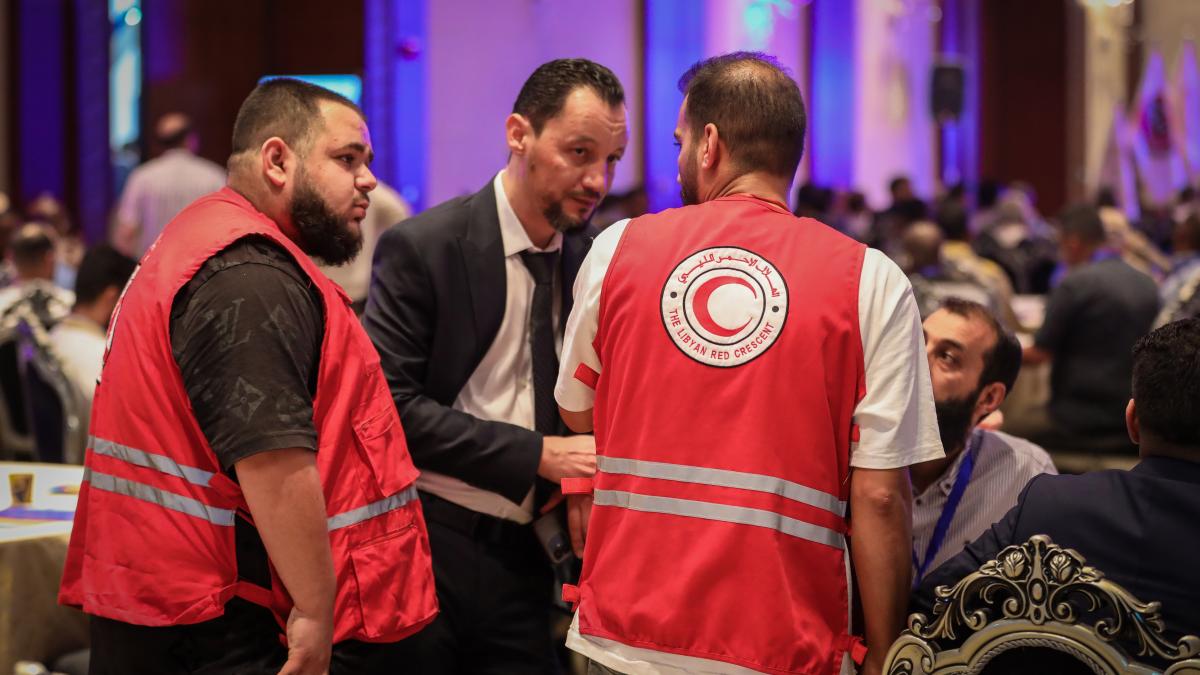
x: 163, y: 498
x: 722, y: 512
x: 347, y: 518
x: 145, y: 459
x: 723, y: 478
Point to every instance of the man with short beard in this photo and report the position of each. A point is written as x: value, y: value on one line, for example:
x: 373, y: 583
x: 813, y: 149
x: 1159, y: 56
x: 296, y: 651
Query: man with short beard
x: 247, y: 473
x: 466, y: 308
x: 752, y: 378
x: 973, y: 363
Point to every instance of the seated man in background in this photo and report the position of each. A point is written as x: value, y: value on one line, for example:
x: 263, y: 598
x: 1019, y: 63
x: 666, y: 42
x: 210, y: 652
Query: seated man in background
x: 1131, y: 525
x: 34, y: 260
x: 973, y: 363
x: 1179, y: 295
x: 159, y: 189
x: 1093, y: 317
x: 78, y: 340
x: 953, y: 221
x: 933, y: 277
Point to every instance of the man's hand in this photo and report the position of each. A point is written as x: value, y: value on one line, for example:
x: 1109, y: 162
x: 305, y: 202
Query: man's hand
x: 567, y: 457
x: 283, y: 491
x: 310, y: 643
x: 993, y: 422
x: 579, y: 511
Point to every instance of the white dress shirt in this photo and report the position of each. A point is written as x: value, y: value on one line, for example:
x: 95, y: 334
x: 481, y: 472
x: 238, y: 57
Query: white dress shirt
x: 501, y: 388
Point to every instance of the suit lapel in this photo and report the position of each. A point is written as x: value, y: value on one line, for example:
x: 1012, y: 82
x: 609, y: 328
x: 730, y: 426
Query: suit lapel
x: 483, y: 260
x: 575, y: 247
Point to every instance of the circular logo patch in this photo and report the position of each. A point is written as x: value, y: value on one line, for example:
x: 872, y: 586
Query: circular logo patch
x: 724, y: 306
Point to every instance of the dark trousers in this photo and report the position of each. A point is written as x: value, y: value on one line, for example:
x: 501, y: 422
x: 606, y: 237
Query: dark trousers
x: 493, y: 586
x: 243, y: 641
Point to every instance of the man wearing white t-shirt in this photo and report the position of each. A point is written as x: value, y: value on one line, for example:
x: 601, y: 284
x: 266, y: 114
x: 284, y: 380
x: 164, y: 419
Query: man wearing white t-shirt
x: 159, y: 189
x: 752, y: 379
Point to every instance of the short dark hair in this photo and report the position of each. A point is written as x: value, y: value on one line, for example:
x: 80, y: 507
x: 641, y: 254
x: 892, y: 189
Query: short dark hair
x: 1002, y: 362
x: 986, y: 193
x: 1166, y: 368
x: 1106, y: 197
x: 898, y: 182
x: 30, y: 244
x: 102, y: 267
x: 177, y: 138
x: 544, y: 94
x: 1082, y: 221
x: 285, y: 108
x: 952, y: 220
x: 756, y: 106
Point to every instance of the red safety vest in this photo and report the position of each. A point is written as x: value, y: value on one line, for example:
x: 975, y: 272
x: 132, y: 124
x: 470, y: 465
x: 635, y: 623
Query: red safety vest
x: 729, y: 337
x: 153, y: 541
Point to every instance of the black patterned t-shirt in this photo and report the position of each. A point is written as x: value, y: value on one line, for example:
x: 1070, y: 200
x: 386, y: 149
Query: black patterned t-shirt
x: 246, y: 331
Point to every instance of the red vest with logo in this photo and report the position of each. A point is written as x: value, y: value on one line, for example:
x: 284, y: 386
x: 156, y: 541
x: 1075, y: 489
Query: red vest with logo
x: 729, y: 337
x: 153, y: 541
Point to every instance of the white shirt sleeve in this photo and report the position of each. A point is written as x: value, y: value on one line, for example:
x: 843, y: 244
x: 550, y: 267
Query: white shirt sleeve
x: 896, y: 417
x: 579, y: 339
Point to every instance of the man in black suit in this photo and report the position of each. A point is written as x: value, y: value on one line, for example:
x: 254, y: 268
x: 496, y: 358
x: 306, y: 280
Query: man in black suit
x: 1136, y: 526
x: 466, y: 308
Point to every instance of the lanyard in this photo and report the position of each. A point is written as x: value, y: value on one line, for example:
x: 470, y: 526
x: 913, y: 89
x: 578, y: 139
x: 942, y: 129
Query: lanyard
x: 943, y: 524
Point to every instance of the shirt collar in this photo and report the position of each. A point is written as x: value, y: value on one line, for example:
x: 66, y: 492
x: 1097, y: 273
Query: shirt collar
x: 83, y: 324
x: 512, y: 233
x: 945, y: 482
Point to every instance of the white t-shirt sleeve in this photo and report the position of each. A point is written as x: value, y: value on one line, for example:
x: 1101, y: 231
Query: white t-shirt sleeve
x: 571, y: 392
x: 896, y: 417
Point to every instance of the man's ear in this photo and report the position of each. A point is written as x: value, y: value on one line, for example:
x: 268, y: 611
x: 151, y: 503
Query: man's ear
x: 518, y: 133
x: 111, y: 294
x: 710, y: 149
x: 276, y: 159
x: 1131, y: 423
x: 989, y: 400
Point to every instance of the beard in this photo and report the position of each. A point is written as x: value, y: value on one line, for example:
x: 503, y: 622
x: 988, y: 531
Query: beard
x: 322, y: 232
x: 556, y: 215
x: 954, y: 418
x: 561, y: 222
x: 688, y: 188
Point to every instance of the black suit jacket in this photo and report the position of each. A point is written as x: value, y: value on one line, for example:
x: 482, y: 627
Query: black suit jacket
x: 434, y: 307
x: 1138, y: 527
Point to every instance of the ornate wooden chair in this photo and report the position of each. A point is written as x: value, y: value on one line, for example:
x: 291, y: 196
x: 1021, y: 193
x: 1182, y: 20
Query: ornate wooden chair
x: 1038, y: 599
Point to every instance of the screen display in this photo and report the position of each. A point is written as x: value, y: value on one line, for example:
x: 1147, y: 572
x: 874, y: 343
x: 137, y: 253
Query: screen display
x: 347, y: 85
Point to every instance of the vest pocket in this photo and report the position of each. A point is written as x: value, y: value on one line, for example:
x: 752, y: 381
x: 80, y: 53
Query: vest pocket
x: 395, y: 584
x: 381, y: 441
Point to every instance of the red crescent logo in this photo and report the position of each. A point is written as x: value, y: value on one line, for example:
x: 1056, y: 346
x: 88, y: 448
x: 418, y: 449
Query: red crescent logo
x: 700, y: 305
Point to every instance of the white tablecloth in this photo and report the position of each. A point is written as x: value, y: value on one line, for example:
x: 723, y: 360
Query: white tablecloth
x: 33, y: 548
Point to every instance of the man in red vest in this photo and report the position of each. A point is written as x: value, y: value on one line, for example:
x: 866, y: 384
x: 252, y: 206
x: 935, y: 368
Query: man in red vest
x: 757, y: 384
x: 247, y: 474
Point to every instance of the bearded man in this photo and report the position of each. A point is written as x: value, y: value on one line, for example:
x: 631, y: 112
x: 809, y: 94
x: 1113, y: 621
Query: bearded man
x: 246, y: 469
x: 973, y: 363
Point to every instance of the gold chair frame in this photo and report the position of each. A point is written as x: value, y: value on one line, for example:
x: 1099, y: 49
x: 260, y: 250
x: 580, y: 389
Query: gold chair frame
x: 1030, y: 596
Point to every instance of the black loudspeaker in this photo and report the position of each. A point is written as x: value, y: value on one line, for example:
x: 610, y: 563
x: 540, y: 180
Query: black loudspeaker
x: 946, y: 92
